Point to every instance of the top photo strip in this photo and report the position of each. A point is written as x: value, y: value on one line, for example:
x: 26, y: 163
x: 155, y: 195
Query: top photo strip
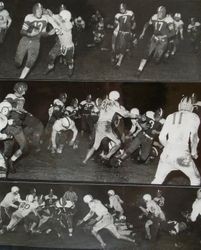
x: 100, y: 40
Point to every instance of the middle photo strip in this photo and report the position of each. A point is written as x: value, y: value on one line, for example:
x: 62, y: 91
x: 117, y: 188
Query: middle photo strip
x: 144, y: 133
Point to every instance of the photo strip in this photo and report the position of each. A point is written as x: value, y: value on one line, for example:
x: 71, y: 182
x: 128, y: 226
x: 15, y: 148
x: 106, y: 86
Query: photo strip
x: 101, y: 132
x: 78, y: 216
x: 97, y: 40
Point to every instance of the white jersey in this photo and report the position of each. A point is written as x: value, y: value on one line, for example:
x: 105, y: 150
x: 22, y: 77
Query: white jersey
x: 154, y: 209
x: 196, y: 209
x: 63, y: 124
x: 178, y: 25
x: 4, y: 17
x: 97, y: 208
x: 115, y: 202
x: 193, y: 27
x: 3, y: 124
x: 63, y: 30
x: 109, y: 109
x: 180, y: 127
x: 26, y: 208
x: 10, y: 199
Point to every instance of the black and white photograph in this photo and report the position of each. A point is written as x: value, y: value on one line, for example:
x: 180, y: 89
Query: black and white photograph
x: 98, y: 40
x: 101, y: 132
x: 99, y: 216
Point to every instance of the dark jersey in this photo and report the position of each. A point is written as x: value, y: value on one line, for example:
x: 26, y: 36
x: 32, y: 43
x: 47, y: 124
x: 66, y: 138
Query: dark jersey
x: 125, y: 21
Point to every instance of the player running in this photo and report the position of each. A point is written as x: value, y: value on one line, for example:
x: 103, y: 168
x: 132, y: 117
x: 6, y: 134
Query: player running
x: 34, y: 27
x: 109, y: 107
x: 103, y: 220
x: 122, y: 35
x: 179, y: 136
x: 64, y: 45
x: 5, y: 22
x: 163, y: 31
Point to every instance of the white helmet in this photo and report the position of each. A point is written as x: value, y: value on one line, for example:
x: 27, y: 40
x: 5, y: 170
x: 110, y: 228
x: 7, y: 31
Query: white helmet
x: 150, y: 115
x: 87, y: 198
x: 199, y: 193
x: 186, y: 104
x: 111, y: 192
x: 135, y: 111
x: 30, y: 198
x: 177, y: 15
x: 146, y: 197
x: 15, y: 189
x: 5, y: 107
x: 66, y: 15
x: 2, y: 4
x: 114, y: 95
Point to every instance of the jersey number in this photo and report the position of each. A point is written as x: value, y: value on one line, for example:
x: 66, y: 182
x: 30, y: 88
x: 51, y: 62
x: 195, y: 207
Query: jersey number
x: 24, y: 206
x: 38, y: 25
x: 124, y: 18
x: 158, y: 26
x: 179, y: 121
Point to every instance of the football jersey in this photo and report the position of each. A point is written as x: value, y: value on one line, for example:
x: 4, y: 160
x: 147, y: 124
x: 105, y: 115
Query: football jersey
x: 98, y: 208
x: 10, y: 199
x: 86, y: 107
x: 15, y: 101
x: 154, y: 209
x: 196, y: 209
x: 3, y: 124
x: 26, y: 208
x: 4, y: 15
x: 63, y: 30
x: 179, y: 126
x: 194, y: 27
x: 125, y: 20
x: 161, y: 26
x: 115, y: 202
x: 109, y: 109
x: 178, y: 25
x: 63, y: 124
x: 31, y: 22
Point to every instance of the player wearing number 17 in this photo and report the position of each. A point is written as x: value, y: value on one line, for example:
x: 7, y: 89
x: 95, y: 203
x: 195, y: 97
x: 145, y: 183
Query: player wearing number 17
x: 179, y: 136
x: 164, y: 29
x: 33, y: 28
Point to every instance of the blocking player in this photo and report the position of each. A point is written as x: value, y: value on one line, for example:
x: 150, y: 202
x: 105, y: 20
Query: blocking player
x: 103, y: 220
x: 179, y: 136
x: 64, y: 45
x: 9, y: 204
x: 122, y: 35
x: 194, y: 31
x: 5, y: 108
x: 34, y: 27
x: 109, y: 107
x: 15, y: 129
x: 163, y: 31
x: 5, y: 22
x: 115, y: 203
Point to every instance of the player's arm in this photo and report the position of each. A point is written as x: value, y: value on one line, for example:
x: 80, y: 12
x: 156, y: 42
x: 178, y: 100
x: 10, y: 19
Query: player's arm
x: 86, y: 218
x: 75, y: 132
x: 195, y: 212
x: 28, y: 29
x: 54, y: 134
x: 147, y: 24
x: 164, y: 132
x: 194, y: 138
x: 171, y: 30
x: 9, y: 21
x: 133, y: 22
x: 116, y: 21
x: 181, y: 31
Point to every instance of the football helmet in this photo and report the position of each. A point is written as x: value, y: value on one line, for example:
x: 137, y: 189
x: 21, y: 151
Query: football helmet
x: 37, y: 10
x: 1, y: 5
x: 150, y: 115
x: 20, y: 88
x: 15, y: 189
x: 63, y: 97
x: 114, y: 95
x: 135, y: 111
x: 30, y: 198
x: 122, y: 8
x: 177, y: 16
x: 199, y: 193
x: 111, y: 192
x: 186, y: 104
x: 87, y: 198
x: 161, y: 12
x: 66, y: 15
x: 5, y: 107
x: 146, y: 197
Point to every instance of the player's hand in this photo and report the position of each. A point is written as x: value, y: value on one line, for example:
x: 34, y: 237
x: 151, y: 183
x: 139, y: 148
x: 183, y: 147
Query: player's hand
x: 10, y: 122
x: 9, y: 137
x: 35, y: 32
x: 79, y: 222
x: 195, y: 156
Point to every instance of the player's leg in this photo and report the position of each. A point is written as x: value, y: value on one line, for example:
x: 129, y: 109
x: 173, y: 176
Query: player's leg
x: 75, y: 133
x: 3, y: 168
x: 114, y: 41
x: 2, y: 35
x: 192, y: 173
x: 146, y: 148
x: 117, y: 144
x: 53, y: 54
x: 70, y: 60
x: 134, y: 145
x: 148, y: 225
x: 32, y: 56
x: 15, y: 219
x: 122, y: 48
x: 160, y: 50
x: 117, y: 235
x: 21, y: 51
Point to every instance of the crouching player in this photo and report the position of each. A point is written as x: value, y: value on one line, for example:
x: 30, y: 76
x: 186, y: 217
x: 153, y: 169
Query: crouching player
x: 62, y: 125
x: 103, y: 220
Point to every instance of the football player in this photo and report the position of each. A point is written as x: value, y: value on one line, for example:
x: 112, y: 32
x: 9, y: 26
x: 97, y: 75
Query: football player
x: 115, y: 202
x: 64, y: 45
x: 109, y: 107
x: 5, y: 108
x: 122, y: 35
x: 33, y: 28
x: 159, y: 199
x: 60, y: 127
x: 163, y: 31
x: 155, y: 216
x: 194, y: 31
x: 5, y: 22
x: 196, y: 207
x: 9, y: 204
x: 103, y: 220
x: 15, y: 129
x: 179, y: 136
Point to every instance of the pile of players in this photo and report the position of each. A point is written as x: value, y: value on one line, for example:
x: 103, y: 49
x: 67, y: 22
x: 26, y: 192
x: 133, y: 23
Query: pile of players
x: 47, y: 214
x: 167, y: 34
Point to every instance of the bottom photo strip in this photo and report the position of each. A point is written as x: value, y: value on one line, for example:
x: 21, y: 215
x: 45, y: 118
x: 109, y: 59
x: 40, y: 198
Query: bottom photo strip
x: 91, y: 216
